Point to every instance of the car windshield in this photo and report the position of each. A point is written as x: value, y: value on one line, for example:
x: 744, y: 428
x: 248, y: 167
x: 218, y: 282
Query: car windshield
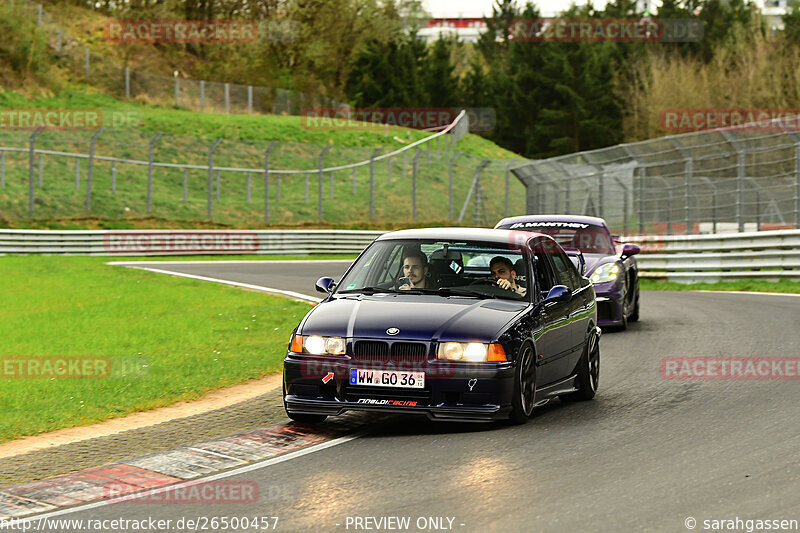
x: 587, y: 238
x: 446, y: 268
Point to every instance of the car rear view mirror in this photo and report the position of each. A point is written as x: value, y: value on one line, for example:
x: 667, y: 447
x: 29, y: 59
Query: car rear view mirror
x: 325, y: 285
x: 559, y: 293
x: 630, y: 249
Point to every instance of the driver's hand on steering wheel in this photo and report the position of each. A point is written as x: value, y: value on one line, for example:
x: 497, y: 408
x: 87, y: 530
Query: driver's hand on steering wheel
x: 503, y: 284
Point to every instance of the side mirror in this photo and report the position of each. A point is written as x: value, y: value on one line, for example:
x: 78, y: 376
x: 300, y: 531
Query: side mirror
x: 325, y: 285
x: 630, y: 249
x: 559, y: 293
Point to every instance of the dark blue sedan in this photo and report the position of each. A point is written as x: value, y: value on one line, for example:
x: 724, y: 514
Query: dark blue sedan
x: 451, y: 323
x: 609, y: 263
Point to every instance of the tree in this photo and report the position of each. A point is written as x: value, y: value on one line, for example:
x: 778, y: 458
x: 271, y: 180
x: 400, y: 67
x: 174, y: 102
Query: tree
x: 441, y: 85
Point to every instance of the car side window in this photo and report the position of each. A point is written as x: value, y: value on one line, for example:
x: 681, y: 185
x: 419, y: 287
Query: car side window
x: 542, y: 273
x: 565, y: 270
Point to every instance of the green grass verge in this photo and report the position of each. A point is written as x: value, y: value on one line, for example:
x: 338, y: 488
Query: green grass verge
x: 170, y: 338
x: 741, y: 285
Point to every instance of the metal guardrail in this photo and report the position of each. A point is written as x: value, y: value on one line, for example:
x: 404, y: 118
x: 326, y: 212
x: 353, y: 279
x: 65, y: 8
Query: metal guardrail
x: 183, y: 242
x: 693, y: 258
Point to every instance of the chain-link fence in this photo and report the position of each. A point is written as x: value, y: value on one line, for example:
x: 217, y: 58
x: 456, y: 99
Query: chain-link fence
x: 124, y: 174
x: 743, y: 178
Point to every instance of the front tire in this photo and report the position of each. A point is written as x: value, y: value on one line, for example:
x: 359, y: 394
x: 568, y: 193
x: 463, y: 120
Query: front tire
x: 524, y: 387
x: 635, y: 315
x: 588, y: 371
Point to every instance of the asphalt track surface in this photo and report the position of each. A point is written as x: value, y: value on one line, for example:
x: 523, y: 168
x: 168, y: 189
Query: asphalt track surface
x: 645, y: 455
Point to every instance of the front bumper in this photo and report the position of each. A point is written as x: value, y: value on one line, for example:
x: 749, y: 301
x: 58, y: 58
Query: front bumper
x: 481, y: 393
x: 610, y: 304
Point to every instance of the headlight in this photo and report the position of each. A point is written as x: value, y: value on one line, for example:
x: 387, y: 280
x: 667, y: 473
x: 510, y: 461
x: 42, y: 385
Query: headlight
x: 474, y: 352
x: 314, y: 344
x: 605, y: 273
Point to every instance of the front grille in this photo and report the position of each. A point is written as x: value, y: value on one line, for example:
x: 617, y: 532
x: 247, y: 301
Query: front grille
x: 370, y: 350
x: 382, y: 351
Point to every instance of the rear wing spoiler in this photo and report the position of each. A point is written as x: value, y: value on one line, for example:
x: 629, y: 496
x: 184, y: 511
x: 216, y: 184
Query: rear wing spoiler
x: 576, y: 256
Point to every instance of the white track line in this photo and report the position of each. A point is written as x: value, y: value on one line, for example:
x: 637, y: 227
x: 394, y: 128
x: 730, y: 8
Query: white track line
x: 291, y: 294
x: 228, y: 473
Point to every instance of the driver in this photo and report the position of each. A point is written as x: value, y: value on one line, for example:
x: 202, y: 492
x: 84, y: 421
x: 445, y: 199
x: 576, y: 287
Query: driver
x: 416, y: 269
x: 504, y: 274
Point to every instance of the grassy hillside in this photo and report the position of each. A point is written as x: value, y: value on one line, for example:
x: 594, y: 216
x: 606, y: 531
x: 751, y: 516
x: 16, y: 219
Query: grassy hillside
x: 60, y: 202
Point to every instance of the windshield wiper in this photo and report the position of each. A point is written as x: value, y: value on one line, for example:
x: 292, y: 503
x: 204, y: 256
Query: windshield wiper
x: 367, y: 290
x: 460, y: 291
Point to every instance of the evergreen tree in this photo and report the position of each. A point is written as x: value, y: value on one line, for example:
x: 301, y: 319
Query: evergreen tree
x: 441, y: 84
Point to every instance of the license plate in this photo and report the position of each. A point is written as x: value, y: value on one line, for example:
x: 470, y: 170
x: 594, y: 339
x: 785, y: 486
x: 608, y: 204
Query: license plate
x: 387, y: 378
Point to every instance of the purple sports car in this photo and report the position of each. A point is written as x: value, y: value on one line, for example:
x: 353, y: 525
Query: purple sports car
x: 608, y: 262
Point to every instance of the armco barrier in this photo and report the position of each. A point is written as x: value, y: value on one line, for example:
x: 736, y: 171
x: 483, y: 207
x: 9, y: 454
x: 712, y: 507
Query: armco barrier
x: 689, y: 258
x: 695, y: 258
x: 184, y: 242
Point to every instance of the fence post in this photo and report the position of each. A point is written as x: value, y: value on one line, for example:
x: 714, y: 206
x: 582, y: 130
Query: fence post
x: 31, y: 141
x: 77, y: 174
x: 202, y: 93
x: 185, y: 185
x: 89, y: 173
x: 640, y: 203
x: 249, y: 98
x: 227, y: 98
x: 331, y: 178
x: 127, y: 82
x: 740, y: 164
x: 59, y: 45
x: 450, y: 187
x: 39, y: 15
x: 372, y: 182
x: 600, y: 186
x: 219, y: 178
x: 266, y: 182
x: 319, y: 181
x: 688, y: 196
x: 414, y: 185
x: 277, y: 188
x: 150, y: 152
x: 113, y: 177
x: 475, y: 180
x: 211, y: 177
x: 248, y: 187
x: 176, y: 90
x: 508, y: 188
x: 87, y: 63
x: 308, y: 174
x: 41, y: 182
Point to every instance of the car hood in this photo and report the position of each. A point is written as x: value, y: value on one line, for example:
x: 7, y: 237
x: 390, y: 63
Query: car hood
x: 418, y: 317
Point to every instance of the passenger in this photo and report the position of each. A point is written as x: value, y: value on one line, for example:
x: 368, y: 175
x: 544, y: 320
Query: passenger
x: 416, y: 270
x: 504, y: 274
